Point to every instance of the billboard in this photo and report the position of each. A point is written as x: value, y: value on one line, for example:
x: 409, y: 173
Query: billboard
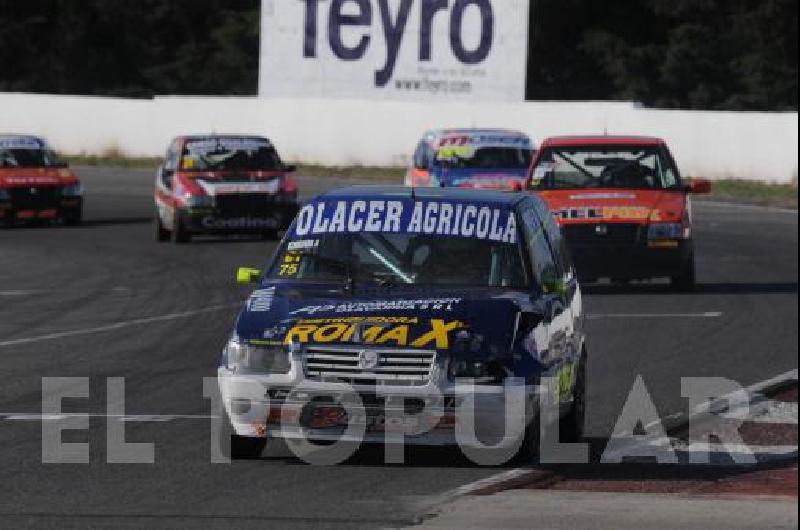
x: 397, y: 49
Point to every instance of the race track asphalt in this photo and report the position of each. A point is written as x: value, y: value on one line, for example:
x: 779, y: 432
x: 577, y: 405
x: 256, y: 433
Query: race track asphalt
x: 72, y: 302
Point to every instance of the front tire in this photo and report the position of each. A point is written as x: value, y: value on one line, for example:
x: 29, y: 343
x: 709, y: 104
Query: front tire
x: 179, y: 233
x: 573, y: 425
x: 162, y: 234
x: 686, y: 280
x: 238, y: 447
x: 74, y: 218
x: 246, y: 448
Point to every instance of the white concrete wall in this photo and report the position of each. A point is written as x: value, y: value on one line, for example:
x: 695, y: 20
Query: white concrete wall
x: 761, y: 146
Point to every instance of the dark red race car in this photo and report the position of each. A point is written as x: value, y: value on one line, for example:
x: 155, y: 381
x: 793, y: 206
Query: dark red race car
x: 35, y: 185
x: 623, y: 206
x: 223, y: 184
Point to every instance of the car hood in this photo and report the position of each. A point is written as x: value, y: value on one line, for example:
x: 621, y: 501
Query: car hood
x: 441, y: 321
x: 615, y: 205
x: 483, y: 178
x: 39, y: 177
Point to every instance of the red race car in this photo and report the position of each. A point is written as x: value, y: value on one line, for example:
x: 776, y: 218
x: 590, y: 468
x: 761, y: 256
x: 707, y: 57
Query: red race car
x: 223, y: 184
x: 622, y: 204
x: 35, y: 185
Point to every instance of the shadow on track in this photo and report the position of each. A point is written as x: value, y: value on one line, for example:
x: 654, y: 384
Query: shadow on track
x: 86, y: 223
x: 657, y: 479
x: 731, y: 288
x: 116, y: 221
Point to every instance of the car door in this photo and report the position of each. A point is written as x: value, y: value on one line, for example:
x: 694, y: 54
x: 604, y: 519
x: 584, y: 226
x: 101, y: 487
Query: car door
x: 573, y: 314
x: 552, y: 299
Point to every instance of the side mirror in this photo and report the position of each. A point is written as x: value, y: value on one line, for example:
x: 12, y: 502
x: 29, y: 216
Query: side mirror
x: 291, y: 168
x: 552, y: 283
x: 246, y: 275
x: 699, y: 187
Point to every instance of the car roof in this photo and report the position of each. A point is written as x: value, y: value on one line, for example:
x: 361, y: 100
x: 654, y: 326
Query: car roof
x: 560, y: 141
x: 366, y: 192
x: 13, y: 136
x: 188, y: 137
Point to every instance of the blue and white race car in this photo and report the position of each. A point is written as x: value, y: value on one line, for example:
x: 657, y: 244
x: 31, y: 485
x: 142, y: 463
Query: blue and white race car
x: 471, y: 158
x: 379, y: 302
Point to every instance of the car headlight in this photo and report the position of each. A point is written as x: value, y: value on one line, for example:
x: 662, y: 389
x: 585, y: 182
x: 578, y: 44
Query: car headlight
x: 244, y: 358
x: 73, y: 190
x: 486, y: 372
x: 666, y: 231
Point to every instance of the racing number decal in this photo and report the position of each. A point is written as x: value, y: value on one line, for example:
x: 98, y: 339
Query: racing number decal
x: 290, y: 265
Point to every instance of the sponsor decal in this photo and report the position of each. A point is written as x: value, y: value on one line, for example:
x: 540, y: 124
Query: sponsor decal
x: 637, y: 213
x: 402, y: 48
x: 261, y: 300
x: 434, y: 333
x: 486, y: 140
x: 31, y: 181
x: 208, y: 145
x: 470, y: 220
x: 303, y: 245
x: 213, y: 189
x: 240, y: 222
x: 20, y: 143
x: 590, y: 196
x: 430, y: 304
x: 290, y: 265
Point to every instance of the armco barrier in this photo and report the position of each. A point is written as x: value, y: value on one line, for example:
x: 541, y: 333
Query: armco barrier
x: 758, y: 146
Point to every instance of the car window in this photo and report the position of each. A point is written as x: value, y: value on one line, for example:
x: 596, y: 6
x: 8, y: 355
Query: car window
x: 606, y: 166
x: 171, y: 158
x: 554, y: 234
x: 230, y: 154
x: 403, y: 259
x: 544, y: 266
x: 421, y: 156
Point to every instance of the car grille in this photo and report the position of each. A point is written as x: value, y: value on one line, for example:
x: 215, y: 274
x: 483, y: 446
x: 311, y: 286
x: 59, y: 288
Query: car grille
x: 396, y: 367
x: 34, y: 198
x: 244, y: 205
x: 614, y: 234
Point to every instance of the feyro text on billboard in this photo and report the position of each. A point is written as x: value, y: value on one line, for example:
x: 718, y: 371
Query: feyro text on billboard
x: 400, y: 49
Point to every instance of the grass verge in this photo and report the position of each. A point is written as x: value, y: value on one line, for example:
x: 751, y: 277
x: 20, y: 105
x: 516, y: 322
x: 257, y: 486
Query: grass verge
x: 111, y: 159
x: 752, y: 192
x: 739, y: 191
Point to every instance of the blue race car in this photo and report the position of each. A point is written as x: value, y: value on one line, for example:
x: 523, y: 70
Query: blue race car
x: 471, y: 158
x: 392, y: 296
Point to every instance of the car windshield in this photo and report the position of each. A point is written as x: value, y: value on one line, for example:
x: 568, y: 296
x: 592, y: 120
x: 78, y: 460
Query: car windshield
x: 230, y: 154
x: 27, y: 158
x: 484, y: 157
x: 603, y: 167
x: 392, y: 259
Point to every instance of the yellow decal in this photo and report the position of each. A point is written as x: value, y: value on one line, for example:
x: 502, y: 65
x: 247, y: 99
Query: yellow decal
x: 438, y: 334
x: 396, y: 334
x: 290, y: 265
x: 399, y: 335
x: 625, y: 212
x: 188, y: 163
x: 449, y: 153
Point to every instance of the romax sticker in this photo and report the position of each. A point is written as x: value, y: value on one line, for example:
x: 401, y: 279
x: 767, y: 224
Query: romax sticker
x: 404, y: 49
